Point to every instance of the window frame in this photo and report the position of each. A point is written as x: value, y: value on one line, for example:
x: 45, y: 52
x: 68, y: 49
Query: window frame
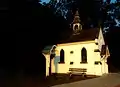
x: 83, y: 55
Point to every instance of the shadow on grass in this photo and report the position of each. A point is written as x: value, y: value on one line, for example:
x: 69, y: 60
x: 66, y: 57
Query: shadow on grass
x: 32, y: 81
x: 64, y: 78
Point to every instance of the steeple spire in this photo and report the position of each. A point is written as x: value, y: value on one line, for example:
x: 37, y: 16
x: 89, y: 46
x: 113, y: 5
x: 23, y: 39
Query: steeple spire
x: 77, y: 13
x: 77, y: 27
x: 76, y: 17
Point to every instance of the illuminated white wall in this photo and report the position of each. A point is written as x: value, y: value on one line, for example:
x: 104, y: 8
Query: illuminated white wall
x: 47, y: 57
x: 76, y: 47
x: 76, y: 58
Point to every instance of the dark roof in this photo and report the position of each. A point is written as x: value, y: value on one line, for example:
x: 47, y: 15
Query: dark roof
x: 47, y: 49
x: 85, y: 35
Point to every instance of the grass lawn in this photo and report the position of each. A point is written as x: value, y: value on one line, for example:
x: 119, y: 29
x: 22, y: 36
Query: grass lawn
x: 32, y: 81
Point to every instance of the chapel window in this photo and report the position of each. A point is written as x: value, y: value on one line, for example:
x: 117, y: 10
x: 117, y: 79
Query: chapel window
x: 83, y: 55
x: 62, y: 55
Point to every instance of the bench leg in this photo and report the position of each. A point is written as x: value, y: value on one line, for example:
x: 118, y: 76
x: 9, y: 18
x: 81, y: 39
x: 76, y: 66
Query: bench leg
x: 70, y: 75
x: 83, y: 74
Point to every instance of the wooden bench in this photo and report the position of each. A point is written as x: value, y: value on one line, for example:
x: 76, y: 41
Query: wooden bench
x: 80, y: 71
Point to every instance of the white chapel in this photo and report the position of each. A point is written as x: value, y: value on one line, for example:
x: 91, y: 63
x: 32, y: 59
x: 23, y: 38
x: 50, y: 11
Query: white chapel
x: 84, y: 52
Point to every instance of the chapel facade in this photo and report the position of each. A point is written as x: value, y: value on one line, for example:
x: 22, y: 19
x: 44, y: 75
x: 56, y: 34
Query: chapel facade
x: 84, y: 52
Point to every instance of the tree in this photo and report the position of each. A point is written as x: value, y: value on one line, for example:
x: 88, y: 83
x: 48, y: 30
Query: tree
x: 36, y: 26
x: 89, y: 10
x: 111, y: 25
x: 111, y: 14
x: 61, y: 7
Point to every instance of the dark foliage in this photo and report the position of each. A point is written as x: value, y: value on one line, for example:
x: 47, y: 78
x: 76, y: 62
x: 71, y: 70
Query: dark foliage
x: 36, y: 26
x: 114, y: 46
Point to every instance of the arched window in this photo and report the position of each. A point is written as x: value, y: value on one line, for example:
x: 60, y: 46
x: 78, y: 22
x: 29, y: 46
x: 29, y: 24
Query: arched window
x: 62, y: 56
x: 76, y: 27
x: 83, y: 55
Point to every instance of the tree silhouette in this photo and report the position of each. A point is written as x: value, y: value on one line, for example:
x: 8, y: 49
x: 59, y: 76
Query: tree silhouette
x: 36, y: 26
x: 90, y: 12
x: 111, y: 15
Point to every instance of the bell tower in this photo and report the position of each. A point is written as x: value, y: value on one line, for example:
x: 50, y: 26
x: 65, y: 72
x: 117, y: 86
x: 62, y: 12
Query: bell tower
x: 77, y: 27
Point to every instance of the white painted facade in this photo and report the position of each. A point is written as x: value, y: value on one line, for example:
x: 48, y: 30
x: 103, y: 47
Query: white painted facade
x: 75, y: 57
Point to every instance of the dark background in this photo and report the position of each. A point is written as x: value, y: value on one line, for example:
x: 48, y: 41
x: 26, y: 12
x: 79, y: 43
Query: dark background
x: 27, y: 27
